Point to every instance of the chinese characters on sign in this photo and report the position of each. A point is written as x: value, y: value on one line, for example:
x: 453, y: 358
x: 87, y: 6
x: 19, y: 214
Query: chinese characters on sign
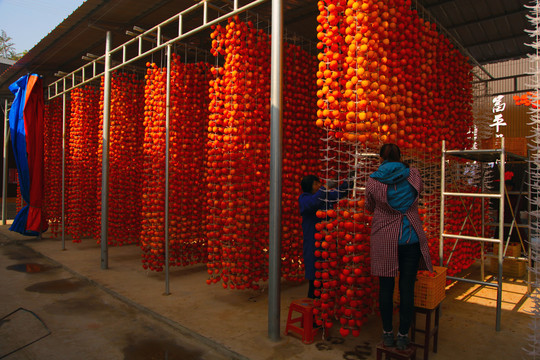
x: 498, y: 108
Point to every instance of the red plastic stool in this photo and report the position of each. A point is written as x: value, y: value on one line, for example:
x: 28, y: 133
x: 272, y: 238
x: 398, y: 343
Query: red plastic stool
x: 305, y: 320
x: 393, y: 353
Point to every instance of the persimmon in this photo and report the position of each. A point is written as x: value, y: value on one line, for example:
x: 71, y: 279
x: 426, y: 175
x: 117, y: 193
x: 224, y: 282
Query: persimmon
x: 82, y: 176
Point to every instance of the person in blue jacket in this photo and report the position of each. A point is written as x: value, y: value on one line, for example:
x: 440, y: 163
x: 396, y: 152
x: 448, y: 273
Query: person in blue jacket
x: 315, y: 197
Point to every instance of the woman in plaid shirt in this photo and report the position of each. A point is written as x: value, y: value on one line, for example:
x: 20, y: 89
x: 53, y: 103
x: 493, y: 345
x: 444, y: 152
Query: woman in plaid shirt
x: 398, y: 241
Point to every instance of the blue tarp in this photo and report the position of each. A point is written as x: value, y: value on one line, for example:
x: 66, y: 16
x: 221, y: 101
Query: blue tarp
x: 28, y: 104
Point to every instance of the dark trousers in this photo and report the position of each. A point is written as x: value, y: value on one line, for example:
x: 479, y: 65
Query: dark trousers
x: 311, y: 289
x: 409, y: 258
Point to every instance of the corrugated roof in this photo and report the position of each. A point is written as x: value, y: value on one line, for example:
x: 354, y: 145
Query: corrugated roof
x: 489, y: 30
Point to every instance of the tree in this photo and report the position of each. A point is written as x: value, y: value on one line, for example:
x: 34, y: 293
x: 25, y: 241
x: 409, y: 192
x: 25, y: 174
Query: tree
x: 7, y: 47
x: 19, y: 55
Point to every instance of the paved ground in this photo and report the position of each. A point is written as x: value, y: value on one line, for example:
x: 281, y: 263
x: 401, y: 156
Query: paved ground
x: 48, y: 313
x: 121, y: 312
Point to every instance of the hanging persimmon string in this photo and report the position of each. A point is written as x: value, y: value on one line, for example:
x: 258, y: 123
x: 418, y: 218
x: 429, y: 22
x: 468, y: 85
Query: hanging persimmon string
x: 187, y: 185
x: 83, y: 180
x: 53, y: 163
x: 153, y: 193
x: 238, y: 154
x: 189, y: 114
x: 301, y: 151
x: 125, y: 158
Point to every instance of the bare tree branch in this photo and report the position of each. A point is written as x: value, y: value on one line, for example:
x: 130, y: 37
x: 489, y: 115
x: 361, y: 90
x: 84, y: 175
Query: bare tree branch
x: 7, y: 47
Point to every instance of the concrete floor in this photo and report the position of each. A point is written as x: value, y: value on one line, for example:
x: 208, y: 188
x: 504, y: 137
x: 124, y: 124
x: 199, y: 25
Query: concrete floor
x: 235, y: 322
x: 47, y: 313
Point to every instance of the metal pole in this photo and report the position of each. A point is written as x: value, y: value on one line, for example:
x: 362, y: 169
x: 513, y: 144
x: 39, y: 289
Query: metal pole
x: 167, y: 123
x: 5, y: 164
x: 276, y: 164
x: 482, y: 246
x: 529, y: 252
x: 501, y: 235
x: 105, y: 155
x: 441, y: 228
x: 64, y: 169
x: 355, y: 170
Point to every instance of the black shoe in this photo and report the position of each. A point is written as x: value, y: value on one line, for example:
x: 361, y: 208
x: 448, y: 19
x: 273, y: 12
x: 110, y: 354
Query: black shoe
x: 402, y: 342
x: 388, y: 339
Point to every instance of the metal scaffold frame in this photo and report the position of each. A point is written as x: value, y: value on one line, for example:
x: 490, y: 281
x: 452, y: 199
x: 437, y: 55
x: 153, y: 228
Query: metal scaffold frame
x: 500, y: 156
x: 515, y: 226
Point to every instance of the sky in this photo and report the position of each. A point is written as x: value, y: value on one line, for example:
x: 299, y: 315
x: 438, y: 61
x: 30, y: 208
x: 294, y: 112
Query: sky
x: 41, y: 15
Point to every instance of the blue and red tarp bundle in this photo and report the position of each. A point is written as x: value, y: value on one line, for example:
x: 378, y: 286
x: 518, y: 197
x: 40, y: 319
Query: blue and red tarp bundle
x: 26, y: 125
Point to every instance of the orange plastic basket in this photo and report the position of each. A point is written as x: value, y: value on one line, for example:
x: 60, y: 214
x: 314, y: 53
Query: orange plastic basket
x: 429, y: 291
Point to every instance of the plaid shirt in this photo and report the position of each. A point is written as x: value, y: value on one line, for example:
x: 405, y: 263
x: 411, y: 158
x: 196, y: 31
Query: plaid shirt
x: 386, y: 227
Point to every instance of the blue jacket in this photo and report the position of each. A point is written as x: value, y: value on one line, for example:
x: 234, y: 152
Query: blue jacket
x: 309, y: 204
x: 401, y: 194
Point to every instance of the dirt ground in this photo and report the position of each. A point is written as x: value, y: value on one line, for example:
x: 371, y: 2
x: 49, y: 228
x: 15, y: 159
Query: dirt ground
x: 47, y: 313
x: 217, y: 322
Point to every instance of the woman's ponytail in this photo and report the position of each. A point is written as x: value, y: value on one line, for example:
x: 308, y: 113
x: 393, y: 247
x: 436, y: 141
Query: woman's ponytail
x: 392, y: 153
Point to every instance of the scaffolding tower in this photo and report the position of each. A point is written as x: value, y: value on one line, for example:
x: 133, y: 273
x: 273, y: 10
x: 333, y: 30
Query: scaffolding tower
x: 483, y: 156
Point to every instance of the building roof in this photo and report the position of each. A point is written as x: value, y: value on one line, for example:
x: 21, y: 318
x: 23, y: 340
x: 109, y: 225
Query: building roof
x: 5, y: 61
x: 488, y: 30
x: 5, y: 64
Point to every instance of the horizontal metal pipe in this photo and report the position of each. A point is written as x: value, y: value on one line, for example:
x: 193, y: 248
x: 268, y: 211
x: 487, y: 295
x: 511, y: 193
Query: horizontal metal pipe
x: 473, y: 238
x: 473, y: 281
x: 526, y: 226
x: 494, y: 196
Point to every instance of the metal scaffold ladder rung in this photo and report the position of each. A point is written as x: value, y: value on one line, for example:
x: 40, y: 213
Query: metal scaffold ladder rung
x: 471, y: 152
x: 472, y: 238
